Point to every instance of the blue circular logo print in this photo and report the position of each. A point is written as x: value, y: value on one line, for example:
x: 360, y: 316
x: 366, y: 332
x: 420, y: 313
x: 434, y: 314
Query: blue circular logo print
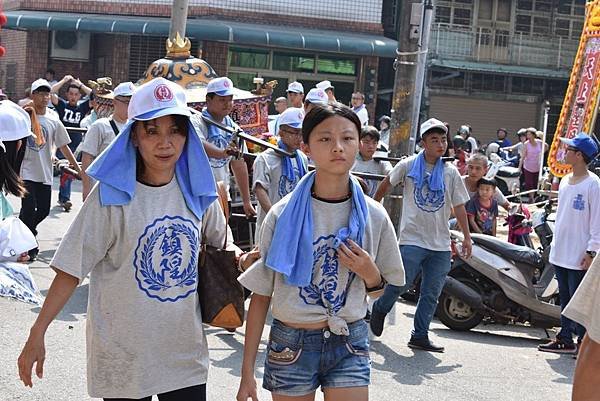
x: 286, y: 185
x: 428, y: 200
x: 166, y: 259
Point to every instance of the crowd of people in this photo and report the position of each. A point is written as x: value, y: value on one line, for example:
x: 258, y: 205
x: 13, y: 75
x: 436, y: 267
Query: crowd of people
x: 325, y: 242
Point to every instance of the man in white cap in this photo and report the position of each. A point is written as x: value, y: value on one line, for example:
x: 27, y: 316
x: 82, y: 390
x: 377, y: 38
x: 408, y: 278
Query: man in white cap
x: 219, y: 103
x: 36, y: 168
x: 432, y: 189
x: 295, y: 94
x: 328, y: 88
x: 275, y: 176
x: 358, y: 106
x: 315, y: 97
x: 281, y: 104
x: 102, y: 132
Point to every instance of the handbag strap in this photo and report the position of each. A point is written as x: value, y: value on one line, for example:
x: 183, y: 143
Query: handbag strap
x: 222, y: 192
x: 114, y: 126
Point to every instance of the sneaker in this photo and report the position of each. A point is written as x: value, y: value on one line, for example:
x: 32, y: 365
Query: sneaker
x: 67, y: 205
x: 376, y: 322
x: 558, y: 347
x: 424, y: 344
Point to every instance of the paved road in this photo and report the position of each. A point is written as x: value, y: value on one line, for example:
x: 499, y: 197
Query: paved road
x: 496, y: 363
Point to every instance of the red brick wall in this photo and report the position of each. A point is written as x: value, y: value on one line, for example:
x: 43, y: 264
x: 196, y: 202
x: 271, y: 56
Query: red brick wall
x: 115, y: 51
x: 161, y: 10
x: 15, y: 43
x: 36, y: 55
x: 215, y: 54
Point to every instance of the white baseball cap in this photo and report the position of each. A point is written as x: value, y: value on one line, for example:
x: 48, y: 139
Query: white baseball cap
x: 317, y: 96
x: 431, y: 124
x: 221, y: 86
x: 324, y: 85
x: 14, y: 122
x: 157, y: 98
x: 40, y: 83
x: 125, y: 89
x: 295, y: 87
x: 292, y: 117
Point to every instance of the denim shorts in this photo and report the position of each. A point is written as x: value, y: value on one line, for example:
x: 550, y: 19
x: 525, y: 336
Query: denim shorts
x: 299, y: 361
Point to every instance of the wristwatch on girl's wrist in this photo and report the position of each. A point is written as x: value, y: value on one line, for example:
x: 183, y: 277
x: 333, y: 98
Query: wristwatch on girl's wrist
x: 592, y: 254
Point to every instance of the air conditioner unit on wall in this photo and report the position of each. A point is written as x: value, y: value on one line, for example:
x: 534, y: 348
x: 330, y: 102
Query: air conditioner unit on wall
x: 70, y: 45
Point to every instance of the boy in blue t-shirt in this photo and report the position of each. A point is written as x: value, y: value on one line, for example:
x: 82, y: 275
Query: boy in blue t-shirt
x: 482, y: 210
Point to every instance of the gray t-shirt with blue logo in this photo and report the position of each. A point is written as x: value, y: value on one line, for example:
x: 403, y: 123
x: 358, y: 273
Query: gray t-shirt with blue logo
x: 267, y: 172
x: 144, y: 328
x: 425, y: 214
x: 332, y: 284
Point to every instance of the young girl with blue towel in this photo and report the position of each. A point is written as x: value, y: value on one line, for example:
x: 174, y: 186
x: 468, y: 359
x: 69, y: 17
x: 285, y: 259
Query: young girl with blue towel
x: 138, y: 236
x: 324, y: 247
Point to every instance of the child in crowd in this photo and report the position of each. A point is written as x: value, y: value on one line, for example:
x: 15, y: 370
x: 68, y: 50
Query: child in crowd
x: 274, y: 175
x: 477, y: 168
x: 364, y: 163
x: 138, y: 236
x: 482, y: 210
x: 324, y: 248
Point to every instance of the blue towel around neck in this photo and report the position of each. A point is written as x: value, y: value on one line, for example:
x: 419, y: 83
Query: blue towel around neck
x: 287, y: 167
x: 291, y: 250
x: 115, y: 170
x: 434, y: 180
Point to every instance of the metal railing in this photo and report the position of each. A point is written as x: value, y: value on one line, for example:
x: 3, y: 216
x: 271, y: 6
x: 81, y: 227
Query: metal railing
x: 480, y: 44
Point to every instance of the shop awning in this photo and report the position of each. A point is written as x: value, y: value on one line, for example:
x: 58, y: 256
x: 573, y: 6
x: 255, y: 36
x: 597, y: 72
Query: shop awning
x: 518, y: 70
x: 209, y: 29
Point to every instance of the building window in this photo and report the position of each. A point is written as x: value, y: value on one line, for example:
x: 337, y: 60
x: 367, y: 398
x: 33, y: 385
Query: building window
x: 488, y: 82
x: 525, y: 5
x: 248, y: 58
x: 563, y: 27
x: 457, y: 12
x: 293, y: 62
x: 541, y: 26
x: 523, y: 24
x: 527, y: 86
x: 337, y: 65
x: 543, y: 5
x: 447, y: 80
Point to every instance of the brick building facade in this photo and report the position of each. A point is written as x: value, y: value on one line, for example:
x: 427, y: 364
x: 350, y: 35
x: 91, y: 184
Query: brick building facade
x: 284, y: 41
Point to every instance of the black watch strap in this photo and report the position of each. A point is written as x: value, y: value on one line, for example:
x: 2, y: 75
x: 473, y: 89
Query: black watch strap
x: 591, y: 253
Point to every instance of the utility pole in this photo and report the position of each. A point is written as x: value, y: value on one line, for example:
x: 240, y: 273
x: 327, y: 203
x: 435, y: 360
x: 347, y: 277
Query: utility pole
x: 423, y: 48
x: 403, y: 96
x: 179, y: 12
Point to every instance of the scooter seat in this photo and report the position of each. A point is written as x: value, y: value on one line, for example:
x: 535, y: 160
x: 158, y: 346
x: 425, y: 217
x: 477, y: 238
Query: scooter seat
x: 508, y: 172
x: 516, y: 253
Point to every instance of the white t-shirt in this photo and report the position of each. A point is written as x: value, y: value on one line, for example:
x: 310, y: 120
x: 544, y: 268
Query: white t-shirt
x: 267, y: 172
x: 144, y: 328
x: 332, y: 283
x: 577, y: 226
x: 363, y: 115
x: 473, y: 143
x: 37, y: 162
x: 424, y: 221
x: 372, y: 167
x: 583, y: 307
x: 99, y: 136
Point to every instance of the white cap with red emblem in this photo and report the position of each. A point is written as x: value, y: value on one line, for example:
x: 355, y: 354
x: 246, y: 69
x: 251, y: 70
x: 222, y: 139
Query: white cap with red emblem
x: 157, y: 98
x: 222, y: 86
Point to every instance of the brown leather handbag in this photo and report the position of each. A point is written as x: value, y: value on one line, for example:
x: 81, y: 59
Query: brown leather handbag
x: 221, y: 295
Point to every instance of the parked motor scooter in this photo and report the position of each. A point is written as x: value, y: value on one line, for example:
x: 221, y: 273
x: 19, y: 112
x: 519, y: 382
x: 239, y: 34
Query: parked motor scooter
x: 501, y: 282
x: 507, y: 177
